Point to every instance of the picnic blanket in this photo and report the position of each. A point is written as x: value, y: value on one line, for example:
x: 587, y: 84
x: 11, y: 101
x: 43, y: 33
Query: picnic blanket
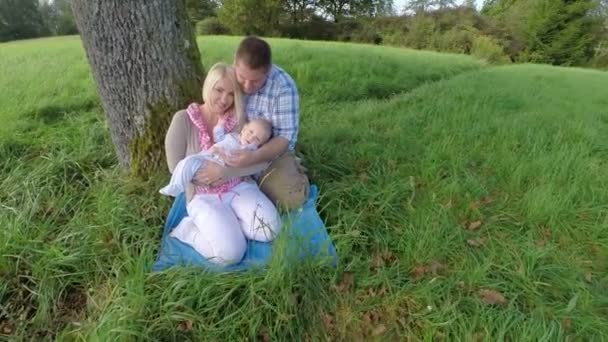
x: 307, y: 238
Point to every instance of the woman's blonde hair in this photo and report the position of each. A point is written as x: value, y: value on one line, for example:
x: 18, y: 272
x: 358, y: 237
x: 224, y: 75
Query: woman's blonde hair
x: 216, y: 73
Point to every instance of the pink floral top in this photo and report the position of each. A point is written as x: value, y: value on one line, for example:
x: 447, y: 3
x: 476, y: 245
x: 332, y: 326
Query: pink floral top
x: 205, y: 141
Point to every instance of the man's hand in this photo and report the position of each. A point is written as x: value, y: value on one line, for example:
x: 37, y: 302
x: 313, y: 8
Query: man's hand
x: 210, y: 174
x: 240, y: 158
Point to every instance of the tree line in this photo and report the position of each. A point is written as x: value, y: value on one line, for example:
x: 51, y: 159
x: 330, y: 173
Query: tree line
x: 560, y: 32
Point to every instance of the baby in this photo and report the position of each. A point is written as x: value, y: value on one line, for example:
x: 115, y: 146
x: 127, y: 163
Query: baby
x: 239, y: 207
x: 253, y: 135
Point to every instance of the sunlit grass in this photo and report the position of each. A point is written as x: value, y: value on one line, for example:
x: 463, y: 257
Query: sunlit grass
x: 418, y: 157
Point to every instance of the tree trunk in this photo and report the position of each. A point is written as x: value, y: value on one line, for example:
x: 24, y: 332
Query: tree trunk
x: 146, y: 64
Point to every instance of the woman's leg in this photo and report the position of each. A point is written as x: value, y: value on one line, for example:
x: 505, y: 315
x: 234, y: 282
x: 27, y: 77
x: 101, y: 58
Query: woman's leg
x: 259, y: 218
x: 213, y: 231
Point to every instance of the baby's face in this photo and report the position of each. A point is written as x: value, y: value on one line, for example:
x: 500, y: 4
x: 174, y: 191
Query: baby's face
x: 254, y: 133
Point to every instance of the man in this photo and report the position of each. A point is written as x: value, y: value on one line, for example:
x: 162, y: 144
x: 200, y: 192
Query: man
x: 270, y: 94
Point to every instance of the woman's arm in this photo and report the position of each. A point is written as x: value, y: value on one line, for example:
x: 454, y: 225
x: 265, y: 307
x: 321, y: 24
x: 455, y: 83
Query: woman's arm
x: 176, y: 140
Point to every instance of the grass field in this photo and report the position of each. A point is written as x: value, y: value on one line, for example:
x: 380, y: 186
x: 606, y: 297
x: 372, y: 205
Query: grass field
x: 467, y: 202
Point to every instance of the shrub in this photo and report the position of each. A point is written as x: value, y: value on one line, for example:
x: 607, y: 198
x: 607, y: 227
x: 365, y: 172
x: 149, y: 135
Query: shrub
x: 487, y: 48
x: 600, y: 58
x: 315, y: 29
x: 211, y: 26
x: 458, y: 39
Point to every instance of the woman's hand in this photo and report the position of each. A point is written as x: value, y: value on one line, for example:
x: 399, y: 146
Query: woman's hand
x: 210, y: 174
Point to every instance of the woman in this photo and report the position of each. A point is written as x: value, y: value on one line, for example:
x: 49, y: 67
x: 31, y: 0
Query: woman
x: 230, y: 212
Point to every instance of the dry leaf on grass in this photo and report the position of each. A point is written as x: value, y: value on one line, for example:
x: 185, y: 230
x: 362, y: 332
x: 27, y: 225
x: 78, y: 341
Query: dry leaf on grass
x: 329, y: 321
x: 474, y: 205
x: 263, y: 335
x: 487, y: 200
x: 381, y: 259
x: 567, y: 323
x: 185, y: 325
x: 479, y: 336
x: 588, y: 277
x: 478, y: 242
x: 379, y: 330
x: 434, y: 268
x: 419, y: 271
x: 492, y: 297
x: 363, y: 177
x: 6, y: 328
x: 475, y: 225
x: 346, y: 284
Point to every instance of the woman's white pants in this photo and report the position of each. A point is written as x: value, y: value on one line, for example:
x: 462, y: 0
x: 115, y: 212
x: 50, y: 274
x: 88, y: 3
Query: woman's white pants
x: 218, y: 226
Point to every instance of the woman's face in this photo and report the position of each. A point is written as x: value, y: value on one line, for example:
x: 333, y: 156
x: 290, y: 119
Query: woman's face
x: 222, y: 96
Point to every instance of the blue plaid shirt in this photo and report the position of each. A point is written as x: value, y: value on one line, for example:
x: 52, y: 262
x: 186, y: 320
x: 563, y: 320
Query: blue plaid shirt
x: 278, y: 102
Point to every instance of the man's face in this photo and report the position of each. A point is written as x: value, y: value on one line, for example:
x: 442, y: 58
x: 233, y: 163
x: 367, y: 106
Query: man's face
x: 251, y: 80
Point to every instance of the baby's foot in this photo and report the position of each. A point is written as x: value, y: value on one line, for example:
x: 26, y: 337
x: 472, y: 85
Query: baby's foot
x: 172, y: 190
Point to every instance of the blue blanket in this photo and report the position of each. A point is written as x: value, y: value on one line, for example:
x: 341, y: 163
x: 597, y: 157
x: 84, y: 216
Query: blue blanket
x: 306, y: 238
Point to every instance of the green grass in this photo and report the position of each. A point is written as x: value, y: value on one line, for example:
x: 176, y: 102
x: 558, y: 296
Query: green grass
x: 408, y: 149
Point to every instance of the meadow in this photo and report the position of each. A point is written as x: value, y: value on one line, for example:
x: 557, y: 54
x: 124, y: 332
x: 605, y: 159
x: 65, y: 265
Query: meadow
x: 466, y: 201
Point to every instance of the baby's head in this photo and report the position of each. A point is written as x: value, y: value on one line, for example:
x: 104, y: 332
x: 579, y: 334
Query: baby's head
x: 256, y: 132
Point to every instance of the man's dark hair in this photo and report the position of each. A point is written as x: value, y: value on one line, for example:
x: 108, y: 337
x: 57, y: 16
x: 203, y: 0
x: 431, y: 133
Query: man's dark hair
x: 255, y: 53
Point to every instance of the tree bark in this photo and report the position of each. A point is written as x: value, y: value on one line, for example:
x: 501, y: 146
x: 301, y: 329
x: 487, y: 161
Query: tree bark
x: 146, y: 64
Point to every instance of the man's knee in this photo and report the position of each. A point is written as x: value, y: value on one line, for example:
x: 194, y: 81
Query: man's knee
x: 285, y: 183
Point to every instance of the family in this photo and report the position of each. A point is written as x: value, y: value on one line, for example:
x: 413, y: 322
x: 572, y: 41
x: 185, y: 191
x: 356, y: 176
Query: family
x: 233, y: 156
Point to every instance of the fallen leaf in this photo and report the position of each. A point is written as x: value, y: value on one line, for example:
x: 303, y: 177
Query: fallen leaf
x: 478, y: 242
x: 475, y: 225
x: 546, y: 235
x: 185, y: 325
x: 436, y: 267
x: 487, y: 200
x: 419, y: 271
x: 448, y: 204
x: 346, y: 284
x: 263, y: 335
x: 329, y: 321
x: 479, y: 336
x: 372, y: 292
x: 363, y: 177
x: 567, y: 323
x: 7, y: 328
x: 492, y: 297
x: 588, y: 277
x: 379, y: 330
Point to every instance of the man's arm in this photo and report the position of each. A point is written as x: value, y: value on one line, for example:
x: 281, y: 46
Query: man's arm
x: 214, y: 174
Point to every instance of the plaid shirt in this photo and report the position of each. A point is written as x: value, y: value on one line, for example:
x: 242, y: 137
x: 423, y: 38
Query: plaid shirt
x: 278, y: 102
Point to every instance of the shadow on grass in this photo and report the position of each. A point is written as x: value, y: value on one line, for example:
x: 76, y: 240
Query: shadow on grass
x: 53, y: 114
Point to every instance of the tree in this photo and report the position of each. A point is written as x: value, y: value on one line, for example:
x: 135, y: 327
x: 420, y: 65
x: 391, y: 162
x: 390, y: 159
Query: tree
x: 300, y: 10
x: 418, y: 6
x: 371, y: 8
x: 58, y: 17
x: 470, y: 4
x: 20, y: 19
x: 548, y: 31
x: 261, y: 17
x: 337, y: 9
x: 201, y: 9
x: 562, y: 32
x: 443, y: 4
x: 146, y: 65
